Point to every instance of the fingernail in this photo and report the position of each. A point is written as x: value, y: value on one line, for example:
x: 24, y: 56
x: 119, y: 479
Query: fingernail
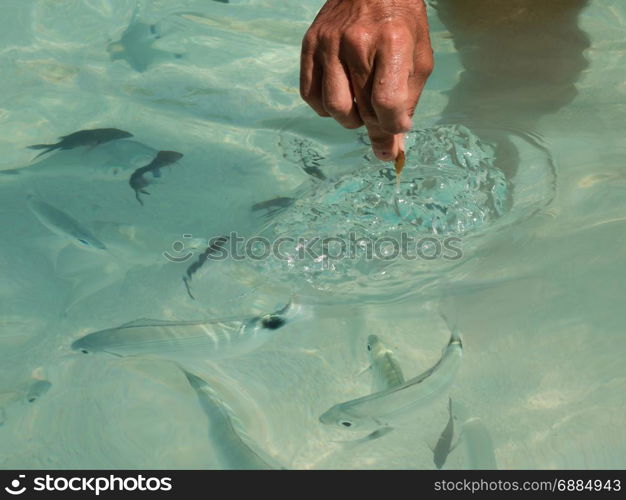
x: 383, y: 155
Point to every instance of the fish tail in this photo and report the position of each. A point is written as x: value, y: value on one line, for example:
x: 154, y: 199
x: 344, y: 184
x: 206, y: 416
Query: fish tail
x: 135, y: 14
x: 46, y: 147
x: 455, y: 336
x: 138, y: 198
x: 451, y: 321
x: 188, y: 287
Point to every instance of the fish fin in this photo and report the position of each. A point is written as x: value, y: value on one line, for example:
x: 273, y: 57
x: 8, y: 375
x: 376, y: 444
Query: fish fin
x: 458, y: 441
x: 137, y: 191
x: 46, y: 147
x: 151, y: 322
x: 364, y: 370
x: 52, y: 245
x: 451, y: 321
x: 135, y: 15
x: 146, y: 322
x: 156, y: 173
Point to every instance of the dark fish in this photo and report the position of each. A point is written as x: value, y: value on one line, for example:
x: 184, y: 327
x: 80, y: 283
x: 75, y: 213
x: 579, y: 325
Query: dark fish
x: 137, y: 180
x: 37, y: 389
x: 444, y: 443
x: 307, y: 156
x: 314, y: 172
x: 214, y: 246
x: 274, y: 205
x: 91, y: 138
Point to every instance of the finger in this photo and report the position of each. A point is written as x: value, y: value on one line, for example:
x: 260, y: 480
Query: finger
x: 422, y: 69
x: 361, y: 80
x: 390, y: 87
x: 384, y: 145
x: 360, y: 70
x: 382, y: 142
x: 338, y: 97
x: 311, y: 78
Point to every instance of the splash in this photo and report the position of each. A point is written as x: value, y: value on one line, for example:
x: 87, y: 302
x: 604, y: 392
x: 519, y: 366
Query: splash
x: 449, y: 187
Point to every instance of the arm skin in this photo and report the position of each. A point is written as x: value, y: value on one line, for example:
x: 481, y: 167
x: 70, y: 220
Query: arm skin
x: 365, y: 62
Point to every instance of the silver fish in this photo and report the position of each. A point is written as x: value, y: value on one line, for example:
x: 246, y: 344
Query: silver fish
x: 181, y: 340
x: 391, y: 405
x: 479, y: 445
x: 62, y: 224
x: 386, y: 372
x: 235, y: 448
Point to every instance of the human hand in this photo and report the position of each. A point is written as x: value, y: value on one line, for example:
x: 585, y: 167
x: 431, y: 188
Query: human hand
x: 366, y: 62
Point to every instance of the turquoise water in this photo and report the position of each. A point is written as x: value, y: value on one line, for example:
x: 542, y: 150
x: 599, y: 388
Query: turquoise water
x: 522, y: 162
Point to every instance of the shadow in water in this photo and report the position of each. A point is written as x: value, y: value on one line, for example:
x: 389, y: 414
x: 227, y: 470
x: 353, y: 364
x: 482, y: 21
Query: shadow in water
x: 521, y: 60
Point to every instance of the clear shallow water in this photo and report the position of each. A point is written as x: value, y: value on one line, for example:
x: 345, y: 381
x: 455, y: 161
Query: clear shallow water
x: 537, y: 295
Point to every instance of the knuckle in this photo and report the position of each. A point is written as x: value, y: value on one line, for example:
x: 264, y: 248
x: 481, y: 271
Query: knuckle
x: 357, y: 37
x: 394, y: 36
x: 385, y: 102
x: 337, y: 107
x: 327, y: 38
x: 309, y: 42
x: 424, y: 67
x: 395, y: 127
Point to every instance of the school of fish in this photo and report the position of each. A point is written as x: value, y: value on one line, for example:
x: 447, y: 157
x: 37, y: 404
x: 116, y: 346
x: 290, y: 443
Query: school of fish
x: 393, y: 402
